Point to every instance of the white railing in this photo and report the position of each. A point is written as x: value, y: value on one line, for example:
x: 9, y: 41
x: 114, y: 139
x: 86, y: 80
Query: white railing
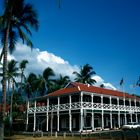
x: 84, y: 105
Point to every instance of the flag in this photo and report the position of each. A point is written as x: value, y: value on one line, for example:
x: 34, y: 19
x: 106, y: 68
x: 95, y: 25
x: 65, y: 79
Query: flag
x: 121, y: 82
x: 138, y: 82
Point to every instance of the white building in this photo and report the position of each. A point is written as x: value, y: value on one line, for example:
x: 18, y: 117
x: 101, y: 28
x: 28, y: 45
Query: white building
x: 79, y: 107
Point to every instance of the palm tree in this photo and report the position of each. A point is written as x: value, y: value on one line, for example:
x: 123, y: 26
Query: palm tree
x: 85, y: 75
x: 30, y: 85
x: 102, y: 86
x: 17, y: 18
x: 12, y: 73
x: 41, y: 85
x: 48, y: 73
x: 22, y: 67
x: 60, y: 82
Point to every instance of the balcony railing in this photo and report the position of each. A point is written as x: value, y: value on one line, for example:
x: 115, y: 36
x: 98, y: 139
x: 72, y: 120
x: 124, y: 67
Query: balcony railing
x: 84, y: 105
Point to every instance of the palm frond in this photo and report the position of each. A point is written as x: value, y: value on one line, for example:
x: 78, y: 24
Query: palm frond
x: 24, y: 37
x: 12, y: 41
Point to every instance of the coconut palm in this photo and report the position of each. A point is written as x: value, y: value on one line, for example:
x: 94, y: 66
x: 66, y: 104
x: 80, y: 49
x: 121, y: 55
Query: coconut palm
x: 48, y: 73
x: 15, y: 22
x: 85, y: 75
x: 60, y: 82
x: 41, y: 85
x: 12, y: 73
x: 22, y: 67
x: 30, y: 85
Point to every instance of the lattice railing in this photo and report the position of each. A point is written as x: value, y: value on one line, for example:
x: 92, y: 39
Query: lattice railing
x: 106, y: 106
x: 64, y: 106
x: 87, y: 105
x: 114, y: 107
x: 84, y: 105
x: 31, y: 109
x: 97, y: 106
x: 41, y: 109
x: 76, y: 105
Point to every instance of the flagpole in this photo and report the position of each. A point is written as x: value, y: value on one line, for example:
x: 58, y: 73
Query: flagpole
x: 121, y: 84
x: 122, y: 87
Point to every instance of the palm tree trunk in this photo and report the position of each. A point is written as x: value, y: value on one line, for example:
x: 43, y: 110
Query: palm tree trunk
x: 4, y: 86
x: 21, y: 83
x: 11, y: 107
x: 1, y: 55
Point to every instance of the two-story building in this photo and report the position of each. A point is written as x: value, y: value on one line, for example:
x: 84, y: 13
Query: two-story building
x: 79, y: 107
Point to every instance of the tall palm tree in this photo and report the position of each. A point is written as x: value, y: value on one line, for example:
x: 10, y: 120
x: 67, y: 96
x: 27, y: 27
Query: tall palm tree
x: 12, y: 73
x: 41, y: 85
x: 48, y: 73
x: 22, y: 67
x: 60, y: 82
x: 15, y: 22
x: 30, y: 85
x: 85, y: 75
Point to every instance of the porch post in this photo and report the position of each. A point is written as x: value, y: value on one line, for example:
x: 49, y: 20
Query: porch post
x: 111, y: 120
x: 102, y: 112
x: 118, y: 113
x: 92, y: 119
x: 34, y: 128
x: 131, y: 117
x: 110, y: 113
x: 130, y: 108
x: 58, y: 98
x: 47, y: 122
x: 125, y: 121
x: 70, y: 116
x: 27, y: 117
x: 136, y: 110
x: 136, y: 117
x: 119, y: 120
x: 81, y: 112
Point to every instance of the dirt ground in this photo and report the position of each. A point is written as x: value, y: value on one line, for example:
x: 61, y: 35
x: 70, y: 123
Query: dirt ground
x: 21, y: 137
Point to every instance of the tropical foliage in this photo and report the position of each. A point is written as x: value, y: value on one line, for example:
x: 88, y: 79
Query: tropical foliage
x: 15, y: 23
x: 85, y: 75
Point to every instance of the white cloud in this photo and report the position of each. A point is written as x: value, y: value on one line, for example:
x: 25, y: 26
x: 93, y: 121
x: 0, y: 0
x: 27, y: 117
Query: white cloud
x: 39, y: 60
x: 100, y: 81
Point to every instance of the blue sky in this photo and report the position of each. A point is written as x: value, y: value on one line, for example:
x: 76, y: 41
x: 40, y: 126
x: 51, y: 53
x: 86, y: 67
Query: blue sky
x: 103, y: 33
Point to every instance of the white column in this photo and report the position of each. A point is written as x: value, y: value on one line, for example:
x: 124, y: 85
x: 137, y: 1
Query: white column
x: 81, y: 112
x: 118, y: 113
x: 70, y: 116
x: 119, y: 120
x: 110, y: 112
x: 131, y: 117
x: 102, y: 112
x: 27, y: 117
x: 130, y: 109
x: 92, y: 119
x: 34, y: 128
x: 47, y: 117
x: 136, y: 110
x: 125, y: 121
x: 136, y: 117
x: 58, y: 99
x: 111, y: 120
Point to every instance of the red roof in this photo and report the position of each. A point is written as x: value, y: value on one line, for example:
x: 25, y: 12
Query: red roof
x: 75, y: 87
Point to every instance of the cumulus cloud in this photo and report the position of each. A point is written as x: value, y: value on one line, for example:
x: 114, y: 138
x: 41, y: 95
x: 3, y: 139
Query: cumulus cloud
x: 39, y: 60
x: 101, y: 81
